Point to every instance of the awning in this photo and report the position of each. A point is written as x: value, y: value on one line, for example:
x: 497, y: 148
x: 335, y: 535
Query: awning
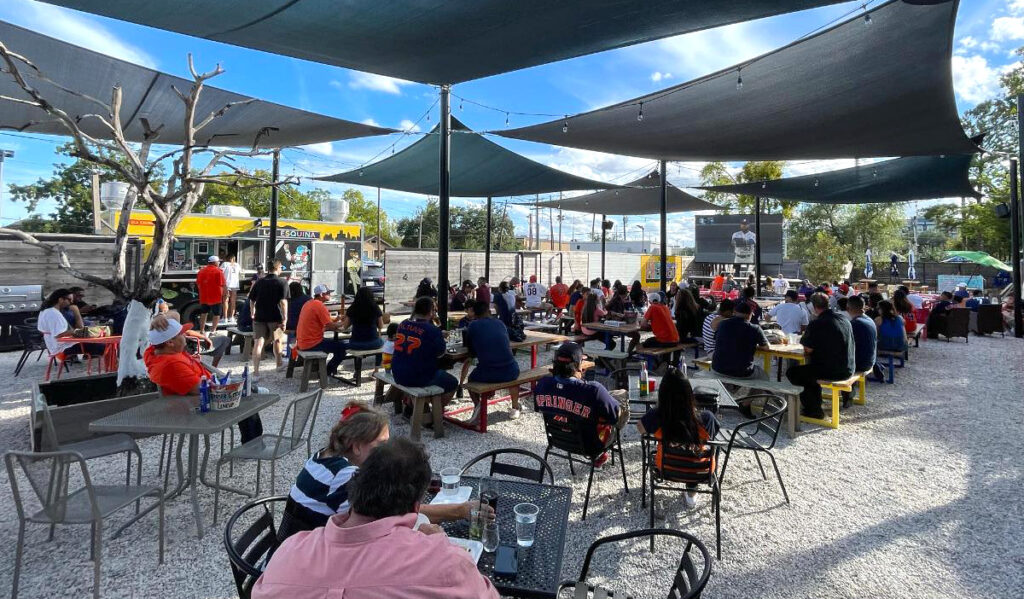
x: 479, y: 168
x: 149, y: 94
x: 898, y: 180
x: 854, y: 90
x: 642, y: 196
x: 436, y: 41
x: 978, y: 258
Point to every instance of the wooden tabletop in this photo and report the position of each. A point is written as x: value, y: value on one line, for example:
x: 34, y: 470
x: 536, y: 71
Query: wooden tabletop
x: 532, y: 338
x: 784, y: 350
x: 624, y: 328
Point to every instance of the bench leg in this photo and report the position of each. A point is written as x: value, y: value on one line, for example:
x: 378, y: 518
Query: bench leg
x: 321, y: 368
x: 862, y: 391
x: 793, y: 421
x: 437, y: 414
x: 836, y: 400
x: 290, y: 371
x: 892, y: 370
x: 358, y: 364
x: 417, y: 417
x: 247, y: 348
x: 378, y: 392
x: 307, y: 371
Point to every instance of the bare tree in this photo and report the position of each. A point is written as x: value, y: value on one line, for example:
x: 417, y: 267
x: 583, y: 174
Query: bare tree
x: 192, y: 166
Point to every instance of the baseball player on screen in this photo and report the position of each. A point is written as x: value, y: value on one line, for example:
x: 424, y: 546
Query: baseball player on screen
x: 743, y: 242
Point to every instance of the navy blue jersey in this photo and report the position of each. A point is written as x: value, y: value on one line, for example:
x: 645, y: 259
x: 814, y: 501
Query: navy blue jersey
x: 418, y: 345
x: 589, y: 402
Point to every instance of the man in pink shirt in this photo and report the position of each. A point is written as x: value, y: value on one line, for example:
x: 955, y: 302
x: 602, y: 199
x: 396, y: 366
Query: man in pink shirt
x: 372, y: 552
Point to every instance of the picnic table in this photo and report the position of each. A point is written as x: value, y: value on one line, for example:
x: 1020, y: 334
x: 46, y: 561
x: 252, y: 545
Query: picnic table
x: 179, y: 416
x: 540, y: 566
x: 533, y: 339
x: 789, y: 351
x: 110, y: 343
x: 621, y: 330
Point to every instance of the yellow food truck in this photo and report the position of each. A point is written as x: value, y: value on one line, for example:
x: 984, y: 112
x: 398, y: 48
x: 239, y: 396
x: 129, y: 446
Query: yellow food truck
x: 311, y: 252
x: 650, y: 269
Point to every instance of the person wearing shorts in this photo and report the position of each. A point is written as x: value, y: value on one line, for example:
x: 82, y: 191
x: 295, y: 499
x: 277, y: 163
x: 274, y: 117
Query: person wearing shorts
x: 269, y: 310
x: 210, y: 282
x: 232, y: 276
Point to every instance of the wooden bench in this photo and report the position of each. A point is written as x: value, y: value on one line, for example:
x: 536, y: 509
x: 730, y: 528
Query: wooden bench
x: 890, y: 362
x: 419, y: 396
x: 540, y: 326
x: 525, y: 377
x: 310, y: 360
x: 832, y: 390
x: 358, y: 355
x: 654, y: 354
x: 244, y: 338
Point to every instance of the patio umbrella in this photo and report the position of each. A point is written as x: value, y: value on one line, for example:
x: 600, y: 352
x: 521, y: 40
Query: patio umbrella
x: 911, y: 271
x: 981, y: 258
x: 868, y: 269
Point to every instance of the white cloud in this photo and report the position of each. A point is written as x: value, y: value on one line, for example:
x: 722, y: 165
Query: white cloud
x: 707, y: 51
x: 371, y: 122
x: 1007, y: 28
x: 657, y: 76
x: 973, y: 79
x: 407, y: 125
x: 325, y: 148
x: 379, y: 83
x: 71, y: 27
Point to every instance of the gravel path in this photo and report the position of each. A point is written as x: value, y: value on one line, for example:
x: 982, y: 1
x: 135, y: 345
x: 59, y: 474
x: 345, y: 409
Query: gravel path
x: 918, y: 494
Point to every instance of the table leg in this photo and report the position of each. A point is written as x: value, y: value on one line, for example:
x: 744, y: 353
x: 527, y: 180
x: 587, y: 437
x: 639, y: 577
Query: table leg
x: 193, y: 467
x: 622, y: 343
x: 213, y: 484
x: 533, y: 356
x: 182, y: 481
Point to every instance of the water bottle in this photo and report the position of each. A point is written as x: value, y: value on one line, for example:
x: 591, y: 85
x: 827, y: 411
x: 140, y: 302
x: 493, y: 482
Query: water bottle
x: 644, y: 379
x: 204, y: 395
x: 245, y: 382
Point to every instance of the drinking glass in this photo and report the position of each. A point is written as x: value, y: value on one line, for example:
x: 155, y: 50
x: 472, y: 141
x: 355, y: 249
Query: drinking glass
x: 526, y: 523
x: 634, y: 386
x: 489, y: 492
x: 450, y: 481
x: 490, y: 536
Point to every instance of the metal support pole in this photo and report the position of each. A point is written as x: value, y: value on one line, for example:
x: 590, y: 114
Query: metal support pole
x: 272, y: 249
x: 444, y: 192
x: 604, y: 236
x: 757, y: 245
x: 1018, y: 312
x: 560, y: 239
x: 664, y: 227
x: 378, y: 224
x: 487, y: 243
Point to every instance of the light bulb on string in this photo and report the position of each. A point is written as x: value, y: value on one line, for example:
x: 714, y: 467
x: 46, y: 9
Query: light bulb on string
x: 640, y: 114
x: 428, y: 117
x: 867, y: 16
x: 565, y: 125
x: 460, y: 104
x: 815, y: 182
x: 739, y: 79
x: 874, y: 172
x: 764, y: 184
x: 360, y: 173
x: 506, y: 119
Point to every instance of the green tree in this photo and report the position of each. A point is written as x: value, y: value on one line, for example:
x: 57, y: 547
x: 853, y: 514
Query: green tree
x: 468, y: 228
x: 878, y: 226
x: 717, y: 173
x: 827, y: 258
x: 364, y: 211
x: 71, y: 188
x: 292, y: 203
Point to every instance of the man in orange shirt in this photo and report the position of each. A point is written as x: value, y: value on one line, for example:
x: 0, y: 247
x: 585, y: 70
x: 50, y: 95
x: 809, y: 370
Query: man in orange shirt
x: 659, y: 320
x: 559, y: 295
x: 177, y: 372
x: 211, y: 284
x: 314, y: 319
x: 719, y: 282
x: 577, y: 310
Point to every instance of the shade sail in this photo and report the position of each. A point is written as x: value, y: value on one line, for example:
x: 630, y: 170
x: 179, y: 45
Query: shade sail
x: 642, y: 196
x: 436, y: 41
x: 978, y: 258
x: 479, y: 168
x: 897, y: 180
x: 854, y: 90
x: 150, y: 95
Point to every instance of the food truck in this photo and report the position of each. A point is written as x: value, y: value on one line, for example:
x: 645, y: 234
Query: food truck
x: 311, y: 252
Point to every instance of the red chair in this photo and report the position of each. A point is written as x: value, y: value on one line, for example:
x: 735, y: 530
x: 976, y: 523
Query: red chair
x: 61, y: 360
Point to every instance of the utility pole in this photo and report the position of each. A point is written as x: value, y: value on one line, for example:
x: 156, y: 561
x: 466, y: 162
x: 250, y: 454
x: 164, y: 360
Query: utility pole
x: 560, y: 218
x: 276, y: 168
x: 378, y: 224
x: 3, y: 155
x: 420, y: 244
x: 625, y: 219
x: 536, y: 222
x: 529, y: 230
x: 643, y: 238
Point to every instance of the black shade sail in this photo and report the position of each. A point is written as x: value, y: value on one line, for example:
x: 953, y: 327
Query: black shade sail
x: 642, y: 196
x: 150, y: 95
x: 897, y: 180
x: 436, y: 41
x: 479, y: 168
x: 854, y: 90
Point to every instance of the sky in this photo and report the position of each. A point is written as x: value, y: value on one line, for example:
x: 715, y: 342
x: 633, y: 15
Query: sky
x: 986, y: 34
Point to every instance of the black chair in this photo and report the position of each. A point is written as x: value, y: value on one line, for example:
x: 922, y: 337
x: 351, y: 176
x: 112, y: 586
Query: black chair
x: 515, y: 470
x: 251, y: 550
x: 758, y: 435
x: 685, y: 464
x: 565, y: 433
x: 689, y: 580
x: 990, y: 320
x: 31, y: 340
x: 954, y: 323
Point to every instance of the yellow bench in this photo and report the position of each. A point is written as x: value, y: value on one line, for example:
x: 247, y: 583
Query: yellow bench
x: 832, y: 391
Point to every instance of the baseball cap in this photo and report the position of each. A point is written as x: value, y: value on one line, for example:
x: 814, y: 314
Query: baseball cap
x: 655, y: 297
x: 174, y: 328
x: 569, y: 352
x: 322, y: 289
x: 213, y: 259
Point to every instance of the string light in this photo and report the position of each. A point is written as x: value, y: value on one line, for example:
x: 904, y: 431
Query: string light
x: 867, y: 16
x: 764, y: 184
x: 874, y: 172
x: 640, y: 115
x: 506, y: 119
x: 815, y: 181
x: 739, y: 79
x: 565, y: 124
x: 360, y: 173
x: 460, y: 104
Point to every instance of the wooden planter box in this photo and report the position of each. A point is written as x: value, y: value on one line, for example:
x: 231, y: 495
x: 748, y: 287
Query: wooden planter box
x: 74, y: 403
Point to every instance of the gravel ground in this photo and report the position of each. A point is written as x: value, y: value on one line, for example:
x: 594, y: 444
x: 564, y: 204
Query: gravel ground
x: 916, y: 495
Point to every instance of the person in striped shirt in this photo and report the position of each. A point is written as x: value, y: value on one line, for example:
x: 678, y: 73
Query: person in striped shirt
x: 321, y: 489
x: 710, y: 327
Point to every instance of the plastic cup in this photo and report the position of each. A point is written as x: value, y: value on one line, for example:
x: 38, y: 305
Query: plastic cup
x: 526, y: 523
x: 450, y: 481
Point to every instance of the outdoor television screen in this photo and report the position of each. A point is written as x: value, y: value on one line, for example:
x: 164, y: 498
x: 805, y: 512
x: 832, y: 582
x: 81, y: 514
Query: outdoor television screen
x: 730, y: 239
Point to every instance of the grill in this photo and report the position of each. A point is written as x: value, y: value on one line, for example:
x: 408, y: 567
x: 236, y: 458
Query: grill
x: 17, y: 302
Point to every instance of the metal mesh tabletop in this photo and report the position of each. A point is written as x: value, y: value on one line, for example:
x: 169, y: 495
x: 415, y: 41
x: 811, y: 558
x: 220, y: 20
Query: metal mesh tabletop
x: 540, y: 566
x: 178, y: 415
x: 700, y: 380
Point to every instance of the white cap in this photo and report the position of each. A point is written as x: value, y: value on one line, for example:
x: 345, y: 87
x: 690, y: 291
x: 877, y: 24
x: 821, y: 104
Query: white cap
x: 174, y: 328
x: 322, y: 289
x: 213, y: 259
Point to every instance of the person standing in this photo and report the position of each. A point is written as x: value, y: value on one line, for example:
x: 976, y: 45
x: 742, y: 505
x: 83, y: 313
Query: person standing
x: 830, y: 354
x: 483, y: 290
x: 354, y: 266
x: 269, y: 312
x: 314, y: 320
x: 232, y: 277
x: 743, y: 242
x: 780, y: 285
x: 211, y: 284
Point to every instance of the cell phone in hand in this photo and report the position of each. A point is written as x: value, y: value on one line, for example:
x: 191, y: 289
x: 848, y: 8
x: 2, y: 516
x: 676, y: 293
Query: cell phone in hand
x: 505, y: 562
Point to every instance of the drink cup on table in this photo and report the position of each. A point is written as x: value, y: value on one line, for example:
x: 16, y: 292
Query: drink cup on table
x: 490, y: 536
x: 489, y: 492
x: 526, y: 523
x: 450, y: 481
